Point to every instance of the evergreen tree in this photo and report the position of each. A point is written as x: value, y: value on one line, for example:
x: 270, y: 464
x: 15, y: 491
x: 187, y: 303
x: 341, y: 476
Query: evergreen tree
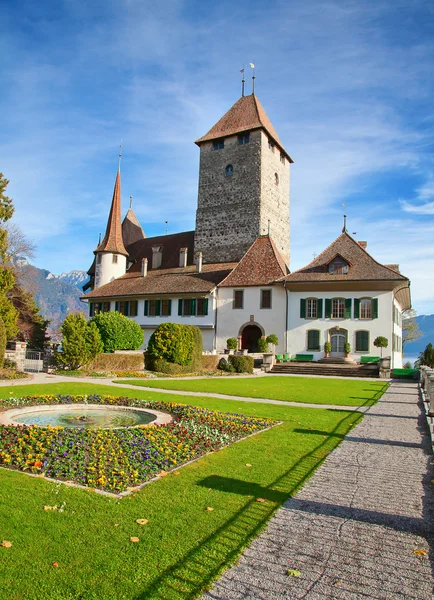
x: 81, y: 342
x: 7, y: 280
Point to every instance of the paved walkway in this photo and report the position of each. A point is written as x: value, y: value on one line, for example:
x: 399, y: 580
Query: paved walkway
x: 352, y: 530
x: 39, y: 378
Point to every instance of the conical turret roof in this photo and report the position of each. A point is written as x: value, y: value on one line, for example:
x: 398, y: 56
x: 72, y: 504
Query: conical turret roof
x: 246, y: 114
x: 112, y: 241
x: 131, y: 229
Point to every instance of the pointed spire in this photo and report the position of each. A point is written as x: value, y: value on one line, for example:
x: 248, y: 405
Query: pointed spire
x: 112, y: 241
x: 344, y: 228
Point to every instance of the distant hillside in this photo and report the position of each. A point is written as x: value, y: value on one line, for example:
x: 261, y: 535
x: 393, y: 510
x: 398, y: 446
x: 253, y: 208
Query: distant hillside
x: 55, y: 295
x: 426, y: 325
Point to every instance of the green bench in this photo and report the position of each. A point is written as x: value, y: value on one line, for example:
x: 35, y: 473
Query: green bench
x: 405, y: 373
x: 304, y: 357
x: 282, y: 358
x: 369, y: 359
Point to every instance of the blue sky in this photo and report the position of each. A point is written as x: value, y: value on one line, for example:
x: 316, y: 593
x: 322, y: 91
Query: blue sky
x: 347, y: 84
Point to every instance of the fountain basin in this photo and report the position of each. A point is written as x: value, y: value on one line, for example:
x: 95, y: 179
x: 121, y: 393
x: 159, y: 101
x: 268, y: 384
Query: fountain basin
x: 84, y: 415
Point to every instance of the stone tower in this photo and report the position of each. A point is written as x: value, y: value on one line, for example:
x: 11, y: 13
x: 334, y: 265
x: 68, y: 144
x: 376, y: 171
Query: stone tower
x: 111, y: 255
x: 243, y: 185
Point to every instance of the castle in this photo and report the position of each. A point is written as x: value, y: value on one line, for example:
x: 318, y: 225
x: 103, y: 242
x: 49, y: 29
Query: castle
x: 231, y: 276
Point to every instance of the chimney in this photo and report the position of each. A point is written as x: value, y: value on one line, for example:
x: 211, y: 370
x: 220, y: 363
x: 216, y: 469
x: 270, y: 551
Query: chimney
x: 198, y: 262
x: 157, y: 256
x: 183, y: 257
x: 363, y: 245
x: 144, y: 267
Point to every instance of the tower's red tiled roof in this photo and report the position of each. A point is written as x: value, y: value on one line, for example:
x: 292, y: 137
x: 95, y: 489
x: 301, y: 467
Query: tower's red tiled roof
x: 362, y: 266
x: 246, y: 114
x: 262, y: 264
x: 131, y: 229
x: 112, y: 241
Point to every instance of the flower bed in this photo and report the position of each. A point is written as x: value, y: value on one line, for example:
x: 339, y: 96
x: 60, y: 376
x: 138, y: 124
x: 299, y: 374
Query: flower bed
x: 114, y: 459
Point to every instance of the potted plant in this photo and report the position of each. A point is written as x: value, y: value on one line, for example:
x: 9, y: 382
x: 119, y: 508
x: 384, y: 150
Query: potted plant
x: 263, y: 345
x: 347, y: 349
x: 327, y: 349
x: 272, y: 339
x: 232, y: 344
x: 381, y: 342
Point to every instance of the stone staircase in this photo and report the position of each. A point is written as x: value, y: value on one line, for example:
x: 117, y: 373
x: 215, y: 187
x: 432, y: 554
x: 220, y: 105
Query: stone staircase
x: 328, y: 369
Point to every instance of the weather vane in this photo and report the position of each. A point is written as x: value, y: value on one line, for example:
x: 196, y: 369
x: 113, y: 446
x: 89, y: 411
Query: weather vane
x: 243, y: 81
x: 252, y: 65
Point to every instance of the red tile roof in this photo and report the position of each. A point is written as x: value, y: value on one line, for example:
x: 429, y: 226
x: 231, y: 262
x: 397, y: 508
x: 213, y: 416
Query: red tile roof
x: 361, y: 265
x: 113, y: 241
x: 164, y: 281
x: 262, y: 264
x: 131, y: 229
x: 246, y: 114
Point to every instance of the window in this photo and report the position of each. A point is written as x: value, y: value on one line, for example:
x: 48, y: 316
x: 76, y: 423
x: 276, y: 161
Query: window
x: 276, y: 178
x: 366, y: 308
x: 218, y: 145
x: 229, y: 170
x: 271, y: 145
x: 106, y: 306
x: 265, y: 298
x: 98, y: 259
x: 157, y: 308
x: 362, y: 341
x: 191, y: 307
x: 165, y: 307
x: 202, y: 307
x: 338, y: 267
x: 244, y: 138
x: 238, y: 299
x: 282, y: 158
x: 338, y: 308
x: 313, y: 340
x: 311, y: 306
x: 115, y: 259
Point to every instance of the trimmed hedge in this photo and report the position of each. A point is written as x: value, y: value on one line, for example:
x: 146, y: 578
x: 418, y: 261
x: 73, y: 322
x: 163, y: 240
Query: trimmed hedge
x: 117, y: 362
x: 241, y: 364
x: 117, y: 331
x: 210, y: 362
x: 175, y: 349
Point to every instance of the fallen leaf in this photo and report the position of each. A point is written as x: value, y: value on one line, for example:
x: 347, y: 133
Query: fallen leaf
x: 162, y: 474
x: 293, y: 573
x: 6, y: 544
x: 134, y: 539
x: 142, y: 521
x: 176, y: 473
x: 116, y: 524
x: 248, y: 465
x: 419, y: 552
x: 55, y: 564
x: 209, y: 508
x: 48, y: 508
x: 261, y: 500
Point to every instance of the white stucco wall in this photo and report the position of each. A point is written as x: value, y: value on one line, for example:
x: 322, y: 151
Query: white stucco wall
x: 397, y: 361
x: 107, y: 270
x: 298, y: 327
x: 230, y: 320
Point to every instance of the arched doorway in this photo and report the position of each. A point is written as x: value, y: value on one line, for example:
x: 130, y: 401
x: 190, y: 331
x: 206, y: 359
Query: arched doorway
x: 249, y: 338
x: 338, y: 337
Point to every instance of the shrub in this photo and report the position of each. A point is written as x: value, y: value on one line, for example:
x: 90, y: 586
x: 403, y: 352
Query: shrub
x: 2, y: 342
x: 241, y: 364
x: 232, y: 343
x: 175, y: 349
x: 81, y: 342
x: 327, y: 347
x: 272, y: 339
x: 118, y: 362
x: 427, y: 356
x: 381, y: 342
x: 263, y: 345
x: 210, y: 362
x: 408, y: 365
x: 118, y: 332
x: 225, y: 365
x: 347, y: 347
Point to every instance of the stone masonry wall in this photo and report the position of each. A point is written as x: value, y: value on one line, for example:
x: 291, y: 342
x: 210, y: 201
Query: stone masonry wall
x: 228, y: 212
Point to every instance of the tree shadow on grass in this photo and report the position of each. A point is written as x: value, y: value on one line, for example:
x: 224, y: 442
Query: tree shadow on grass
x: 195, y: 571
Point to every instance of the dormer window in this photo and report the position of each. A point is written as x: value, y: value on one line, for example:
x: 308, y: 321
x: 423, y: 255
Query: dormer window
x: 338, y: 266
x: 218, y: 145
x: 244, y: 138
x: 229, y: 171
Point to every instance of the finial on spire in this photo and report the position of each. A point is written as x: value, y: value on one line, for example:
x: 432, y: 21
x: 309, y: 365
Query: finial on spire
x: 344, y: 228
x: 269, y: 227
x: 243, y: 81
x: 99, y: 239
x: 252, y: 65
x: 120, y: 158
x: 167, y: 229
x: 131, y: 202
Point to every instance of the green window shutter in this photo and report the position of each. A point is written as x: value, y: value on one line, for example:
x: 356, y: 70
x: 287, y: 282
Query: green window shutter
x: 193, y: 307
x: 313, y: 339
x: 117, y: 306
x: 362, y: 341
x: 302, y: 308
x: 205, y: 306
x: 375, y: 308
x: 146, y: 308
x: 328, y: 308
x: 356, y: 308
x: 169, y: 307
x: 319, y: 308
x: 90, y: 309
x: 127, y: 308
x: 158, y: 308
x: 347, y: 313
x: 136, y: 306
x: 180, y: 307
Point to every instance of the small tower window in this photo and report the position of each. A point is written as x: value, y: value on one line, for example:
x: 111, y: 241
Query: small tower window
x: 271, y: 145
x: 282, y: 158
x: 98, y: 259
x: 244, y: 138
x: 229, y: 171
x: 276, y: 178
x: 218, y: 145
x: 114, y: 259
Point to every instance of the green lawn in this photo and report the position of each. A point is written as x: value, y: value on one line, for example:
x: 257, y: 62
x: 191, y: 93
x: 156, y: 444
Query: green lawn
x: 342, y: 392
x: 183, y: 548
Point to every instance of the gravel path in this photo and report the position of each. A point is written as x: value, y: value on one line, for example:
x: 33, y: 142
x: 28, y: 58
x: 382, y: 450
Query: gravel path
x: 352, y: 530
